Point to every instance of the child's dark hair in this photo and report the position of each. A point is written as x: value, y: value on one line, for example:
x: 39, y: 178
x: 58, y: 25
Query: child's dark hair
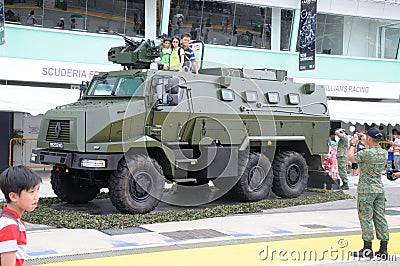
x: 167, y: 39
x: 18, y: 178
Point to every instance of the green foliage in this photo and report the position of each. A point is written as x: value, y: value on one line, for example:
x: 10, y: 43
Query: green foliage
x: 45, y: 214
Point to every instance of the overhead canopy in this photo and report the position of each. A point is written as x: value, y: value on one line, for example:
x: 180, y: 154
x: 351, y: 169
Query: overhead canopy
x: 365, y: 112
x: 34, y: 100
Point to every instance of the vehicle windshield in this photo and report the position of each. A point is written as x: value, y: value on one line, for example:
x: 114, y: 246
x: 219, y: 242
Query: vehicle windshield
x: 116, y: 86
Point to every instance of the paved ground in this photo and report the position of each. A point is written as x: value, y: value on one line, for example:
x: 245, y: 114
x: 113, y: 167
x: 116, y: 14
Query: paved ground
x: 327, y: 232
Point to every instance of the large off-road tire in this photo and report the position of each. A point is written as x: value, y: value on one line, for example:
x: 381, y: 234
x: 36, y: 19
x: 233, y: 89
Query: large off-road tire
x: 256, y: 179
x: 290, y: 174
x: 69, y: 188
x: 137, y: 185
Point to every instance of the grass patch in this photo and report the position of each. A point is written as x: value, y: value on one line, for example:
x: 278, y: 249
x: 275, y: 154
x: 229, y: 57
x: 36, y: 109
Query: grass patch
x: 45, y: 214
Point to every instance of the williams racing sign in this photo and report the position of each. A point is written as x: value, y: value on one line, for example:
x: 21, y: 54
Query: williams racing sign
x: 307, y: 32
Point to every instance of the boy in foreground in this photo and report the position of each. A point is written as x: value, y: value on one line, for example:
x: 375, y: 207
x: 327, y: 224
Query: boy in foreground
x: 20, y: 187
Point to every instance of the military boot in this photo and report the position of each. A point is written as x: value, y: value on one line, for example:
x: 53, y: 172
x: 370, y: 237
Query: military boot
x: 382, y: 252
x: 345, y: 186
x: 365, y: 252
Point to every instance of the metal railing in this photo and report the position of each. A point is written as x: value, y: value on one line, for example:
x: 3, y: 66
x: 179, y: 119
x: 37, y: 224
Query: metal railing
x: 20, y: 152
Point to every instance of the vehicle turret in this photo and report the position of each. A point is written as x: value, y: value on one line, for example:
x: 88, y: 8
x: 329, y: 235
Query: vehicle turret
x: 135, y: 54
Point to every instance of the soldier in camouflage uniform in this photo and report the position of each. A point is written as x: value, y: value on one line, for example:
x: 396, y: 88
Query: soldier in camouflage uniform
x: 341, y: 156
x: 371, y: 195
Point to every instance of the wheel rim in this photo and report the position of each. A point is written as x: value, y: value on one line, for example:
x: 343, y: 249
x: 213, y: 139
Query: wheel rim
x: 256, y: 178
x: 293, y: 175
x: 139, y: 186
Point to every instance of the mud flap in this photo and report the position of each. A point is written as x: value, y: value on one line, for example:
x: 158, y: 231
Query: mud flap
x: 317, y: 179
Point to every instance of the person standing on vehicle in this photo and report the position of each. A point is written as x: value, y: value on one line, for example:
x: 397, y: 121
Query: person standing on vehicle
x: 190, y: 58
x: 341, y: 156
x: 166, y: 53
x: 370, y: 193
x: 177, y: 56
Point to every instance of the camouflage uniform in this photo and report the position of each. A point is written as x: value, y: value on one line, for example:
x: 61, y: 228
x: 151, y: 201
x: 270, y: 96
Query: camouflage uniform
x: 371, y: 196
x: 341, y: 156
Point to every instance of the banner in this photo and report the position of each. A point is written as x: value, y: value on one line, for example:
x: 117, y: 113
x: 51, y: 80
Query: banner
x: 307, y: 34
x: 2, y: 38
x: 356, y: 89
x: 50, y: 71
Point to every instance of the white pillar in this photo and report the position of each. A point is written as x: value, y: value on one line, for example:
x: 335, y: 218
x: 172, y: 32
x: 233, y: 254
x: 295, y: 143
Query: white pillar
x: 276, y: 29
x: 150, y: 19
x: 166, y: 8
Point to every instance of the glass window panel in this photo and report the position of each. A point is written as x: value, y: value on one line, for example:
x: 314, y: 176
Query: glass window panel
x: 135, y: 18
x: 286, y: 28
x: 389, y: 41
x: 357, y: 36
x: 253, y: 26
x: 329, y: 34
x: 101, y: 16
x: 222, y: 23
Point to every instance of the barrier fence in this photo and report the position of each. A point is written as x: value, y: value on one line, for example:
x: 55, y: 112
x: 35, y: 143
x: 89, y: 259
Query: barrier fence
x: 20, y: 153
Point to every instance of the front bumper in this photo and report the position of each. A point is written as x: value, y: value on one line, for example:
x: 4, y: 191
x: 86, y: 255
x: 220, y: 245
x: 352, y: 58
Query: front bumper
x: 75, y: 160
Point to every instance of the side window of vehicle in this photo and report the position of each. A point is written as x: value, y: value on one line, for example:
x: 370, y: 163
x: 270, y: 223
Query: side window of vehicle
x: 128, y: 86
x: 169, y: 89
x: 175, y: 90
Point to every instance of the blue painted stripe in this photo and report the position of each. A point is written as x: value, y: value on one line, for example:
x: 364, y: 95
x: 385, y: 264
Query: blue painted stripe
x: 172, y: 240
x: 281, y: 231
x: 126, y: 244
x: 241, y: 234
x: 338, y: 227
x: 44, y: 252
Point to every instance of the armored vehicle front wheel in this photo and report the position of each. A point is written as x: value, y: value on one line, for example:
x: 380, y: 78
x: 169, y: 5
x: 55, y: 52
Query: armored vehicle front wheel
x: 256, y: 181
x: 69, y: 187
x: 137, y: 184
x: 290, y: 174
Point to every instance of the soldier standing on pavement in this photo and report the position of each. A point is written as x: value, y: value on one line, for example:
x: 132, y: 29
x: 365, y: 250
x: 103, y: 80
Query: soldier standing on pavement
x: 341, y: 156
x: 371, y: 195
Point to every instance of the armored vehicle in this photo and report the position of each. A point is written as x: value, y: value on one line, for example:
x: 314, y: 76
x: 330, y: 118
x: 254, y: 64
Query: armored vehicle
x: 149, y: 135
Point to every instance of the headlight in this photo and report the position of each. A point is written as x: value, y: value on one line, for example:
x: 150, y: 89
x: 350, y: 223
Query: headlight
x: 93, y: 163
x: 33, y: 157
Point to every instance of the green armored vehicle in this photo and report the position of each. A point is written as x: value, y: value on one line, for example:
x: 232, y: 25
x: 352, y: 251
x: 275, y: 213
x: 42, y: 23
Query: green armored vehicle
x: 184, y: 138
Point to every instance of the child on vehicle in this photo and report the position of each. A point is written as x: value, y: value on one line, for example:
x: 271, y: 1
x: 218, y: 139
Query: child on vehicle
x: 166, y: 53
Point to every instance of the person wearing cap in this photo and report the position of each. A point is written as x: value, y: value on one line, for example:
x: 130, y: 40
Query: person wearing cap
x: 370, y: 193
x: 341, y: 156
x: 61, y: 23
x: 162, y: 37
